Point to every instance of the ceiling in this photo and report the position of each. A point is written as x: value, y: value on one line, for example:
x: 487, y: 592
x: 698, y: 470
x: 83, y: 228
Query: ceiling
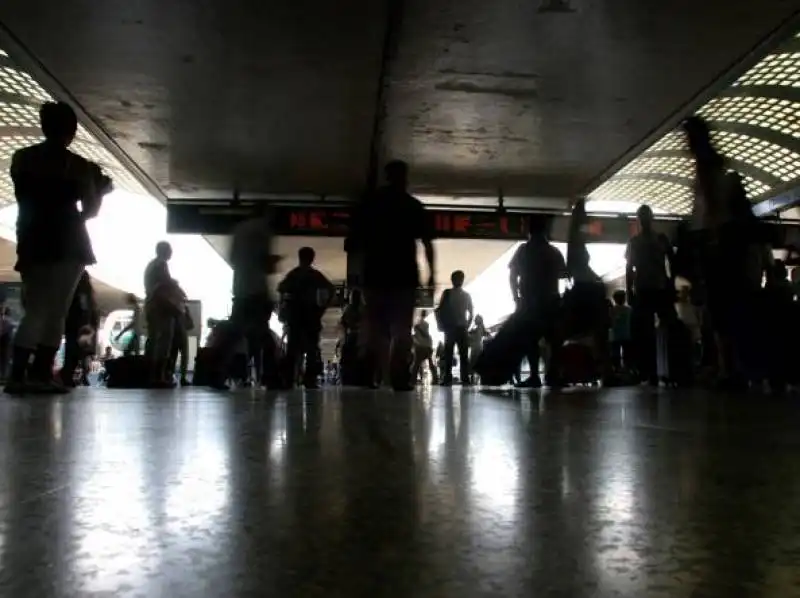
x: 282, y: 97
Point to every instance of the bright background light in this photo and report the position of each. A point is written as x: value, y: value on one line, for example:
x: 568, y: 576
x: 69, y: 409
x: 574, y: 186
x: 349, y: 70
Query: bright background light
x: 124, y: 236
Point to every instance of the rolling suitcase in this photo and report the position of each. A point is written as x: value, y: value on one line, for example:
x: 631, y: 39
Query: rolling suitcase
x: 578, y: 364
x: 674, y: 354
x: 502, y: 355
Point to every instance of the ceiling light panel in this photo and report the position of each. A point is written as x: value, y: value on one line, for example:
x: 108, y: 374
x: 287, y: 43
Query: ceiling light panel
x: 672, y: 166
x: 18, y: 83
x: 780, y: 70
x: 665, y: 195
x: 781, y: 116
x: 777, y: 160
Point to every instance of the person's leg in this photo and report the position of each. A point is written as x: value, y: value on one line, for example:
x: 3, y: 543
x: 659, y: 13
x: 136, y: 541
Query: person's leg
x: 377, y: 331
x: 449, y: 345
x: 647, y: 307
x: 62, y: 279
x: 401, y: 324
x: 313, y: 355
x: 184, y: 364
x: 462, y: 342
x: 419, y: 355
x: 35, y: 281
x: 72, y: 355
x: 432, y: 366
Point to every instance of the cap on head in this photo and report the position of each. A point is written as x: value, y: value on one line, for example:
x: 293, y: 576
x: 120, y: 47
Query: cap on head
x: 59, y: 122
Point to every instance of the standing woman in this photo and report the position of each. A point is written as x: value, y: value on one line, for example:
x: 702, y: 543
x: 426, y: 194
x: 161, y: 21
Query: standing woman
x: 53, y: 246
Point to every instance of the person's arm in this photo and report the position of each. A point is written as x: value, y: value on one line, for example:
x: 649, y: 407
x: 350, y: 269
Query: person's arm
x: 470, y: 310
x: 426, y: 236
x: 285, y: 285
x: 95, y: 186
x: 629, y: 274
x: 513, y: 275
x: 669, y: 253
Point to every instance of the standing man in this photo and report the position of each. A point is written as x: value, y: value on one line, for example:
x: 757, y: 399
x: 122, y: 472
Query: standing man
x: 535, y: 271
x: 455, y: 313
x: 307, y: 293
x: 385, y: 231
x: 650, y: 289
x: 53, y: 245
x: 160, y: 313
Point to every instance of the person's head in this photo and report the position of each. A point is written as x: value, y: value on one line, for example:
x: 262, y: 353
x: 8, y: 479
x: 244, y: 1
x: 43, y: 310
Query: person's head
x: 698, y: 137
x: 423, y: 314
x: 355, y: 297
x: 396, y: 173
x: 108, y: 351
x: 684, y: 294
x: 479, y: 320
x: 619, y: 296
x: 163, y: 250
x: 457, y: 278
x: 538, y: 226
x: 59, y: 122
x: 131, y: 300
x: 645, y: 217
x: 306, y: 256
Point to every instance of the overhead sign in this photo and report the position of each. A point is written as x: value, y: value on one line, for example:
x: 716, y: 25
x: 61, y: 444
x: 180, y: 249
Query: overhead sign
x: 220, y: 218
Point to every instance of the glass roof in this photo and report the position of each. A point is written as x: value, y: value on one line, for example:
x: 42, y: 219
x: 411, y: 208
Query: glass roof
x: 20, y: 98
x: 756, y: 125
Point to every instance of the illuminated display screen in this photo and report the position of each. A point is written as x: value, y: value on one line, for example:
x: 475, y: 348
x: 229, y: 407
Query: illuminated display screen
x: 220, y: 218
x: 446, y: 224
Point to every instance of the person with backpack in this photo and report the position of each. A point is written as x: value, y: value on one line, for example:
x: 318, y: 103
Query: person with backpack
x: 306, y: 292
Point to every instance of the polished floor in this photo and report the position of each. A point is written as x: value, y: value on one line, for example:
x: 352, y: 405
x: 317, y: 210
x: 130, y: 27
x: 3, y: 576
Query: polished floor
x: 444, y: 493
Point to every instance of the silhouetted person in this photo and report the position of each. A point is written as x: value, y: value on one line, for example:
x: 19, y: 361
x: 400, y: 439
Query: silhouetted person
x: 455, y: 312
x: 162, y: 307
x: 650, y: 289
x: 423, y: 349
x: 535, y: 271
x: 620, y: 331
x: 82, y: 315
x: 351, y: 366
x: 307, y: 294
x: 53, y: 245
x: 7, y: 328
x: 133, y: 346
x: 253, y: 262
x: 731, y: 258
x: 180, y: 345
x: 385, y: 231
x: 586, y: 311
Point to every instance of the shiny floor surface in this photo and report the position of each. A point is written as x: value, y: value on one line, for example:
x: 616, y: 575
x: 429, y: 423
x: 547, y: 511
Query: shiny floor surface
x: 442, y: 493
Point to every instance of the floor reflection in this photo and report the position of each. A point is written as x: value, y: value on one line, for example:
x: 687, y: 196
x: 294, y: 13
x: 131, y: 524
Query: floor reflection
x: 448, y: 493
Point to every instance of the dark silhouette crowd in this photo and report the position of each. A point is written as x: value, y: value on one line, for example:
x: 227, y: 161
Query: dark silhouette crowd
x: 710, y: 305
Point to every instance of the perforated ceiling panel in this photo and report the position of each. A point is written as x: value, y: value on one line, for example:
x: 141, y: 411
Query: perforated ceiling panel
x: 756, y: 125
x: 19, y: 124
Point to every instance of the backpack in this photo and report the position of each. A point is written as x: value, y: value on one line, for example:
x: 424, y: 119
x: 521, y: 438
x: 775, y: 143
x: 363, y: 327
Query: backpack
x: 442, y: 313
